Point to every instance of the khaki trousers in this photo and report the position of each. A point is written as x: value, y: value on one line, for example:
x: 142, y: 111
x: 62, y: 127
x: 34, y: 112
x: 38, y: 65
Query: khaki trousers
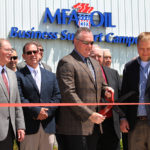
x: 38, y: 141
x: 139, y: 137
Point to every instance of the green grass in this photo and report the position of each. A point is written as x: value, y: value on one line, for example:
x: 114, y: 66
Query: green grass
x: 15, y: 147
x: 121, y: 145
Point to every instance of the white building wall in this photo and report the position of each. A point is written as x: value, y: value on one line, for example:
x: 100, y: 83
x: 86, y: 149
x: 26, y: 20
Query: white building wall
x: 130, y: 17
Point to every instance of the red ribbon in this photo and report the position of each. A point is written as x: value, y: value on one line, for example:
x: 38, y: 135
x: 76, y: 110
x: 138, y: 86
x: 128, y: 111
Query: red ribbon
x: 66, y: 104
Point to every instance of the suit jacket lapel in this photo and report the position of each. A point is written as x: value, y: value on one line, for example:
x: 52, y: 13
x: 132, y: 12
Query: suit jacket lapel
x: 29, y: 76
x: 4, y: 87
x: 43, y: 83
x: 148, y: 83
x: 106, y: 74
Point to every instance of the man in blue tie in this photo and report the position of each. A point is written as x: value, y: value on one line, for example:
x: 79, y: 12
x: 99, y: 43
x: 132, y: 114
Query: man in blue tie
x: 37, y: 85
x: 41, y: 63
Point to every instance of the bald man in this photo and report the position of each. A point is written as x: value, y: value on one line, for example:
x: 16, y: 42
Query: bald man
x: 110, y: 139
x: 106, y: 58
x: 97, y: 53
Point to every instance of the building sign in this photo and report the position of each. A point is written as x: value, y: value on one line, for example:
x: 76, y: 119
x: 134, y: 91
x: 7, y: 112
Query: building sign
x: 83, y: 16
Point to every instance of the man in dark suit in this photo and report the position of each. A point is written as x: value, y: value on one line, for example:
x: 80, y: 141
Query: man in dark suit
x: 80, y: 81
x: 13, y: 61
x: 11, y: 118
x: 110, y: 139
x: 42, y: 64
x: 136, y: 78
x: 107, y: 58
x: 37, y: 85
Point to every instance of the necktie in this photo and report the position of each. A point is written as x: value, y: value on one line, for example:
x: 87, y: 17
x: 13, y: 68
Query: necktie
x: 88, y: 63
x: 36, y: 78
x: 40, y: 64
x: 5, y: 80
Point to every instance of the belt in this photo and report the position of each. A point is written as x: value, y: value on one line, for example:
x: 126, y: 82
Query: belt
x: 142, y: 118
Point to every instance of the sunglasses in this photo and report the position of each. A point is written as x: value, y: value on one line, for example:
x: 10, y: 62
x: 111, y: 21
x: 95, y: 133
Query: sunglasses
x: 86, y: 42
x: 13, y: 57
x: 41, y: 50
x: 31, y: 52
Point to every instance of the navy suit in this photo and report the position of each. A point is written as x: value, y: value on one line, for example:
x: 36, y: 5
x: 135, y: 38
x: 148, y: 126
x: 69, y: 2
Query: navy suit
x: 29, y: 93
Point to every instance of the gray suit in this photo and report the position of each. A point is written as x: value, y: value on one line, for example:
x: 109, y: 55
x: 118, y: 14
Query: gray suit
x: 23, y: 64
x: 13, y: 115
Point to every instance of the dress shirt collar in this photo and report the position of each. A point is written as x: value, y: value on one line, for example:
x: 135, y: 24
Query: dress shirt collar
x: 82, y: 57
x: 37, y: 69
x: 2, y: 68
x: 143, y: 64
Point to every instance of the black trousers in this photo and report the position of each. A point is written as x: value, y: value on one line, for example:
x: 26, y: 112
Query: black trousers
x: 125, y: 141
x: 108, y: 140
x: 78, y: 142
x: 7, y: 144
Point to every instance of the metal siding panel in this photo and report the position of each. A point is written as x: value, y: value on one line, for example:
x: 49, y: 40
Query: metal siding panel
x: 18, y: 14
x: 108, y: 8
x: 142, y: 26
x: 50, y: 4
x: 41, y: 11
x: 101, y: 5
x: 29, y: 13
x: 147, y: 14
x: 57, y: 4
x: 128, y: 18
x: 19, y: 43
x: 9, y: 16
x: 57, y: 51
x: 135, y: 17
x: 26, y: 14
x: 115, y: 16
x: 34, y: 14
x: 93, y: 4
x: 121, y: 17
x: 65, y: 4
x: 70, y: 4
x: 2, y: 19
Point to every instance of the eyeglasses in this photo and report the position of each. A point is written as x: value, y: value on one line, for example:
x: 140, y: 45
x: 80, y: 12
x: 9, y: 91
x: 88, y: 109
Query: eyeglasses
x: 86, y: 42
x: 96, y: 56
x: 107, y: 57
x: 9, y: 50
x: 31, y: 52
x: 41, y: 50
x: 13, y: 57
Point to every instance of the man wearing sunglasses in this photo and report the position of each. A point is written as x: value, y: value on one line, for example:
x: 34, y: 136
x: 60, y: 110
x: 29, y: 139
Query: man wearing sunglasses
x: 42, y: 64
x: 80, y: 81
x: 11, y: 118
x: 13, y: 61
x: 41, y: 53
x: 37, y: 85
